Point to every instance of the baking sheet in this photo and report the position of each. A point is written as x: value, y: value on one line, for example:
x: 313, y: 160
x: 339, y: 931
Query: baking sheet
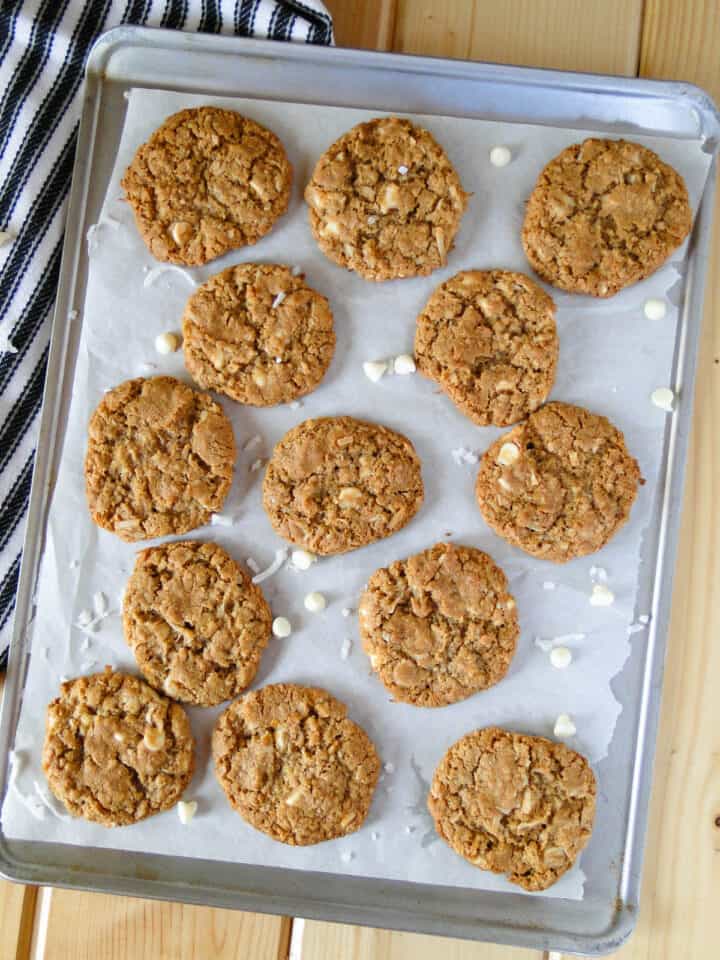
x: 611, y: 359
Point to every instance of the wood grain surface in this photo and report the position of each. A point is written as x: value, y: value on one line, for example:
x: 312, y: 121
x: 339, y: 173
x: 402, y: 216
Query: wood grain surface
x: 679, y: 917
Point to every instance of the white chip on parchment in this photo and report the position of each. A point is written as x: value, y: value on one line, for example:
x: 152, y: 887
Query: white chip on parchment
x: 281, y: 627
x: 564, y: 726
x: 167, y: 342
x: 315, y: 602
x: 374, y: 369
x: 663, y: 398
x: 500, y: 156
x: 560, y: 657
x: 186, y: 810
x: 601, y: 596
x: 655, y: 309
x: 549, y: 585
x: 302, y: 559
x: 404, y: 364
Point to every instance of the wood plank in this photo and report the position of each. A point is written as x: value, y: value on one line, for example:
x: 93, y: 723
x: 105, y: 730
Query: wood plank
x: 333, y: 941
x: 17, y: 908
x: 678, y: 914
x: 368, y: 24
x: 565, y: 34
x: 94, y: 926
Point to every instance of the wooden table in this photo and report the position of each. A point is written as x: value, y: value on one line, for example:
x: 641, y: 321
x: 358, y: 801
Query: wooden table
x: 680, y: 913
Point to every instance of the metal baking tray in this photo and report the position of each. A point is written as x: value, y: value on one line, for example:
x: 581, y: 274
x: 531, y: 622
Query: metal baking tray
x: 135, y: 56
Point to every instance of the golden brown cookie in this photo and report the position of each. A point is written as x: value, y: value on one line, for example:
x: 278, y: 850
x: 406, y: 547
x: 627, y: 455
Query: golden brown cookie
x: 385, y: 201
x: 195, y: 622
x: 558, y: 485
x: 159, y: 459
x: 514, y: 804
x: 337, y: 483
x: 259, y: 334
x: 488, y: 337
x: 439, y: 626
x: 116, y: 751
x: 604, y: 214
x: 293, y: 765
x: 207, y: 181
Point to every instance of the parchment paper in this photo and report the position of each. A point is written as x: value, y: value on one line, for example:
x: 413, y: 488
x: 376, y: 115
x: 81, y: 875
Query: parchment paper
x: 611, y: 359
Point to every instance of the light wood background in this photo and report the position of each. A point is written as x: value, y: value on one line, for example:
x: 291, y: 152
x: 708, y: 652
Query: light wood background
x: 680, y: 906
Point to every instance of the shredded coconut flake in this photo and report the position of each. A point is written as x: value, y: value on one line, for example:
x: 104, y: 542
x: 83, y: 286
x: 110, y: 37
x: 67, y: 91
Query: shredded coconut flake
x: 345, y: 648
x: 280, y: 558
x: 152, y: 275
x: 549, y: 585
x: 256, y: 465
x: 252, y: 442
x: 221, y: 520
x: 644, y: 619
x: 253, y: 564
x: 278, y: 300
x: 100, y: 604
x: 296, y: 271
x: 463, y: 455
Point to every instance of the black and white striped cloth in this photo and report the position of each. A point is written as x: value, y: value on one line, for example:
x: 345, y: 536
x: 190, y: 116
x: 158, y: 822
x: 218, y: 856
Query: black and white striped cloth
x: 43, y: 47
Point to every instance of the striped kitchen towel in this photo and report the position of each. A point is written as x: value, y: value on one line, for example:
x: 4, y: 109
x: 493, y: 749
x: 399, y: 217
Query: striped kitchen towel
x: 43, y: 47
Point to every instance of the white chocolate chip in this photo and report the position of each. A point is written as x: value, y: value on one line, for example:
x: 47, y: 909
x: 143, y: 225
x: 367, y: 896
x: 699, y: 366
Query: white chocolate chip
x: 154, y: 739
x: 220, y: 520
x: 186, y: 810
x: 302, y: 560
x: 560, y: 657
x: 402, y: 170
x: 315, y: 602
x: 281, y: 627
x: 601, y: 596
x: 374, y: 369
x: 664, y: 398
x: 564, y: 726
x: 509, y: 453
x: 294, y: 798
x: 500, y: 156
x: 404, y: 364
x: 655, y: 309
x: 167, y: 343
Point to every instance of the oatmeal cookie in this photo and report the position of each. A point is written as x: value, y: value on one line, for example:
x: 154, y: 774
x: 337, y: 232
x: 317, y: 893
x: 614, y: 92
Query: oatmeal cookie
x: 514, y: 804
x: 259, y: 334
x: 116, y: 751
x: 558, y: 485
x: 337, y: 483
x: 293, y: 765
x: 385, y: 201
x: 440, y: 625
x: 159, y: 459
x: 604, y: 214
x: 488, y: 337
x: 207, y: 181
x: 195, y: 622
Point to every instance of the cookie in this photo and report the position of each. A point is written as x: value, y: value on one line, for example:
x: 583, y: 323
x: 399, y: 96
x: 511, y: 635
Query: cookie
x: 488, y: 337
x: 604, y: 214
x: 195, y: 622
x: 207, y: 181
x: 293, y: 765
x: 439, y: 626
x: 159, y: 459
x: 116, y: 751
x: 514, y: 804
x: 558, y: 485
x: 259, y: 334
x: 385, y: 201
x: 337, y: 483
